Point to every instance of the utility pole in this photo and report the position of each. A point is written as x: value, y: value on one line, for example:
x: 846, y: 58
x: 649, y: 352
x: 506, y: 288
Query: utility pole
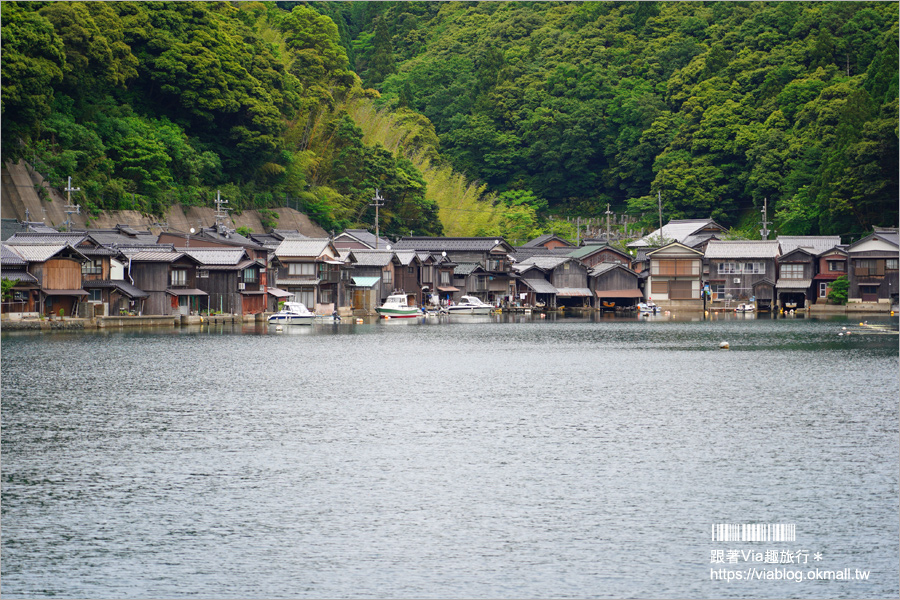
x: 608, y: 230
x: 70, y: 209
x: 221, y: 211
x: 764, y: 232
x: 377, y: 202
x: 659, y: 201
x: 578, y: 231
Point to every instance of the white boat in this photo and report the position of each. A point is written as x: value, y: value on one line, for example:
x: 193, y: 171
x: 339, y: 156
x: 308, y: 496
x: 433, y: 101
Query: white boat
x: 744, y: 308
x: 292, y: 313
x: 470, y: 305
x: 397, y: 307
x: 648, y: 307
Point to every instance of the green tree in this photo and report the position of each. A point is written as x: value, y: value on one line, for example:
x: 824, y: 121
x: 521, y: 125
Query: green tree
x: 839, y: 290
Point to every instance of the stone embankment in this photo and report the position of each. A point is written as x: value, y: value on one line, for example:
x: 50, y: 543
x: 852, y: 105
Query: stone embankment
x: 74, y: 323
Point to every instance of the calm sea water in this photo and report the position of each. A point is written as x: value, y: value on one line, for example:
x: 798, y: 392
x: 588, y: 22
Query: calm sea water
x: 470, y: 458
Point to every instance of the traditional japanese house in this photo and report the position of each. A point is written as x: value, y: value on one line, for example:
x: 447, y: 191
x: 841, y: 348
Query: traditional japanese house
x: 691, y: 233
x: 832, y: 264
x: 56, y: 272
x: 234, y: 283
x: 794, y: 285
x: 25, y: 294
x: 170, y: 280
x: 533, y: 287
x: 444, y: 278
x: 365, y: 267
x: 596, y: 254
x: 742, y: 271
x: 495, y: 280
x: 407, y: 275
x: 471, y: 280
x: 311, y: 270
x: 567, y: 275
x: 614, y: 286
x: 873, y: 268
x: 674, y: 279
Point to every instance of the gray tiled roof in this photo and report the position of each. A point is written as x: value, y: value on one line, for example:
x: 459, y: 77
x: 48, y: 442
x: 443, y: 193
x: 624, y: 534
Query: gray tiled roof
x: 438, y: 244
x: 217, y: 256
x: 540, y: 286
x: 793, y: 284
x: 813, y: 243
x: 305, y: 248
x: 521, y: 254
x: 39, y: 253
x: 367, y: 238
x: 406, y: 257
x: 372, y: 258
x: 11, y: 258
x: 466, y: 268
x: 127, y: 288
x: 606, y: 267
x: 742, y: 249
x: 546, y: 262
x: 677, y: 230
x: 56, y: 237
x: 18, y: 275
x: 156, y: 256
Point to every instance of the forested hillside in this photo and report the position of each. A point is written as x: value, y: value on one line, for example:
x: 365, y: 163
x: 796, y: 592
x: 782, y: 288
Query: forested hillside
x: 150, y: 104
x: 715, y: 105
x: 548, y: 108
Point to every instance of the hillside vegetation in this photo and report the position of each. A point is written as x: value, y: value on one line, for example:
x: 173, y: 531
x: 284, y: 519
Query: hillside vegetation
x: 470, y: 118
x: 714, y: 105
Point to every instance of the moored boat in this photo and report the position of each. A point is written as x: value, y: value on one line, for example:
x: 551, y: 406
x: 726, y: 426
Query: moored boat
x: 397, y: 306
x: 292, y: 313
x: 648, y: 307
x: 470, y: 305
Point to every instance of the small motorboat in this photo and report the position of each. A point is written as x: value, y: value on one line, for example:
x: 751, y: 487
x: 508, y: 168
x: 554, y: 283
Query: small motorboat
x: 292, y: 313
x: 397, y: 307
x: 648, y: 308
x: 742, y: 308
x: 470, y: 305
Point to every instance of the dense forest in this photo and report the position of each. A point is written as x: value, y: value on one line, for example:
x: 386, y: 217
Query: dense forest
x: 557, y: 108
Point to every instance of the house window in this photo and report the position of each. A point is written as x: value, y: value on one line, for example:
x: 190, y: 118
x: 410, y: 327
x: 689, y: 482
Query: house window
x: 494, y: 264
x: 249, y: 275
x: 823, y: 289
x: 756, y: 268
x: 92, y: 267
x: 203, y: 273
x: 792, y: 271
x: 891, y: 264
x: 95, y: 295
x: 838, y: 266
x: 726, y: 268
x: 306, y: 296
x: 410, y: 269
x: 179, y: 277
x: 717, y: 290
x: 869, y: 266
x: 445, y: 277
x: 659, y: 287
x: 325, y: 296
x: 387, y: 276
x: 302, y: 269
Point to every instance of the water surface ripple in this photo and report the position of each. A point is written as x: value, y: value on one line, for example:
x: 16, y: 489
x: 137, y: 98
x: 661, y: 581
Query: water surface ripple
x: 572, y: 458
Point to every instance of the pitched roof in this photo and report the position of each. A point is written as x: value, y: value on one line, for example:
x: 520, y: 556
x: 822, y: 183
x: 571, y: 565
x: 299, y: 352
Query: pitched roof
x: 813, y: 243
x: 585, y: 251
x: 41, y: 252
x: 372, y: 258
x: 678, y: 230
x: 543, y: 239
x: 466, y: 268
x: 55, y: 237
x: 546, y: 262
x: 125, y: 287
x: 11, y: 258
x: 305, y: 248
x: 216, y: 256
x: 887, y: 234
x: 606, y: 267
x: 365, y: 237
x: 18, y: 275
x: 540, y: 286
x: 521, y: 254
x: 742, y: 249
x: 156, y: 256
x: 406, y: 257
x: 448, y: 244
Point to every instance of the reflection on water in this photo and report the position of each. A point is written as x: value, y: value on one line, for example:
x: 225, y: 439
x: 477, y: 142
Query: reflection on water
x: 500, y: 456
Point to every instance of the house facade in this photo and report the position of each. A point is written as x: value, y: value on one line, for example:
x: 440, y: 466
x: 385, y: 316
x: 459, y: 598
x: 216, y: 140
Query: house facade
x: 674, y: 280
x: 796, y: 271
x: 614, y: 286
x: 742, y: 271
x: 873, y: 268
x: 310, y: 270
x: 832, y: 263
